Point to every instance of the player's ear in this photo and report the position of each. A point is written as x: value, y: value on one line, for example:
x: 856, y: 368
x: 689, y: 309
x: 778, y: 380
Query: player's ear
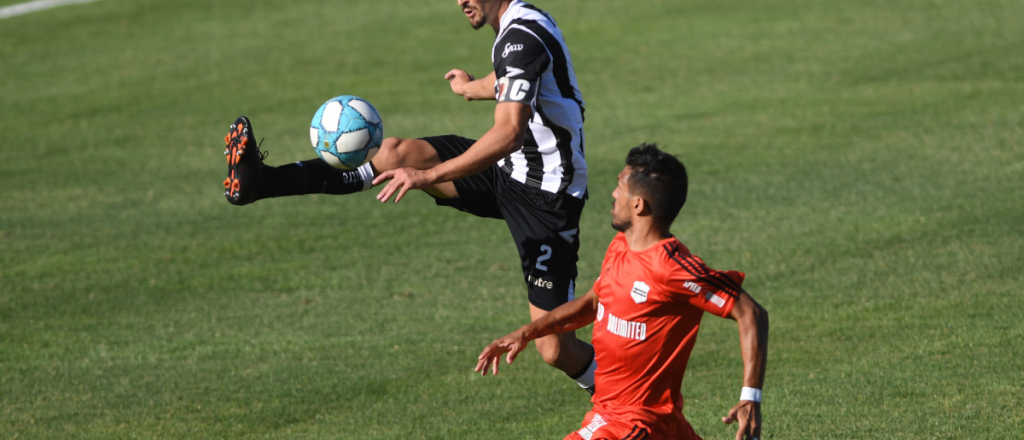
x: 640, y: 206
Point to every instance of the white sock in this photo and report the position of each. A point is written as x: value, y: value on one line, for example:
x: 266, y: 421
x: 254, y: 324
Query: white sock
x: 366, y: 173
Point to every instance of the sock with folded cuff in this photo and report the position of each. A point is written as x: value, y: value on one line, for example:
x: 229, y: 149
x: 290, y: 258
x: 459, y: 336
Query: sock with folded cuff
x: 314, y: 177
x: 585, y: 377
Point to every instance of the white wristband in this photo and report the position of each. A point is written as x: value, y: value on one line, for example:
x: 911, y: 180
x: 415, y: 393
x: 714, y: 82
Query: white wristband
x: 753, y: 394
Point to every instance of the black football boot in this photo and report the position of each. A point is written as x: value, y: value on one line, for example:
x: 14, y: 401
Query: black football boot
x: 245, y: 163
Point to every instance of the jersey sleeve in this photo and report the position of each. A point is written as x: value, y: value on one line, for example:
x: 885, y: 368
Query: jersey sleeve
x: 713, y: 291
x: 520, y: 59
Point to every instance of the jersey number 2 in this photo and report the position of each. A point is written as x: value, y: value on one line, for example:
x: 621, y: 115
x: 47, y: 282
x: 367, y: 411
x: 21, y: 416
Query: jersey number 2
x: 547, y: 255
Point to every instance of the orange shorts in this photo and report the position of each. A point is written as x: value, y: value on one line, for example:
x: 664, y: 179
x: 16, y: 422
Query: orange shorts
x: 603, y: 427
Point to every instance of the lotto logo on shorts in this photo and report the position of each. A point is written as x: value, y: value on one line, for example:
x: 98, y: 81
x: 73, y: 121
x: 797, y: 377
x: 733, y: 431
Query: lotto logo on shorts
x: 596, y: 423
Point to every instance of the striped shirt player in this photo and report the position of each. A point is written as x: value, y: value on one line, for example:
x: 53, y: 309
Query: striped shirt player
x: 532, y: 66
x: 539, y: 186
x: 528, y: 169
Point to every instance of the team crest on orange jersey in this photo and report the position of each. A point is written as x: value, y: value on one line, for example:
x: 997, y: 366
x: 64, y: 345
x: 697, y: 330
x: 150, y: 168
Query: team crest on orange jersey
x: 639, y: 292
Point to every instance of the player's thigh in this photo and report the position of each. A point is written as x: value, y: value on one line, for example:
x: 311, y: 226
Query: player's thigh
x: 398, y: 152
x: 474, y: 194
x: 443, y: 190
x: 412, y: 153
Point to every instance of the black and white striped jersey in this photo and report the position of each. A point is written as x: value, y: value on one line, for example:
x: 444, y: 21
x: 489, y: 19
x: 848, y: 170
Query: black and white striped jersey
x: 532, y: 66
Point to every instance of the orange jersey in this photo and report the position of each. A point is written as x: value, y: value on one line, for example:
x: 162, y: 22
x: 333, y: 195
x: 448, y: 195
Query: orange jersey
x: 651, y: 304
x: 604, y: 427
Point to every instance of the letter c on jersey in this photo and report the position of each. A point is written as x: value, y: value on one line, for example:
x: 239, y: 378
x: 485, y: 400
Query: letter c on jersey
x: 515, y: 92
x: 519, y: 89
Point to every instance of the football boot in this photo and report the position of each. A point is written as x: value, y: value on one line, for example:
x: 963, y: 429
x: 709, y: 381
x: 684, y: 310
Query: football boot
x: 245, y: 163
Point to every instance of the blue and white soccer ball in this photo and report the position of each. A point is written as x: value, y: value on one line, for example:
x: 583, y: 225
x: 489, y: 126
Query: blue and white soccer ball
x: 346, y: 132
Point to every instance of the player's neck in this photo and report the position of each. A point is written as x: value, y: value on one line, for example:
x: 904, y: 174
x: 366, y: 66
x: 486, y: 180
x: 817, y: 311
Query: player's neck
x: 644, y: 234
x: 496, y: 22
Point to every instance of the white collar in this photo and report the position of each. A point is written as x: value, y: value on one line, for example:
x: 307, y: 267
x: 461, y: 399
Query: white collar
x: 506, y: 19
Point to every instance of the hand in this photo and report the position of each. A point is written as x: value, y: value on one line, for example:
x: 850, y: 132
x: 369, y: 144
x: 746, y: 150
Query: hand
x: 748, y: 413
x: 513, y: 344
x: 458, y: 80
x: 402, y: 180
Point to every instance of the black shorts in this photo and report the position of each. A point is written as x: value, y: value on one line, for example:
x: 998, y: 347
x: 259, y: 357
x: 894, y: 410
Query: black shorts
x: 545, y: 226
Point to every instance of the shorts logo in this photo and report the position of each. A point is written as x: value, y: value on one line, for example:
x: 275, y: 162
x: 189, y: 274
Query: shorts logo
x: 639, y: 292
x: 509, y: 47
x: 569, y: 235
x: 596, y: 423
x: 540, y: 282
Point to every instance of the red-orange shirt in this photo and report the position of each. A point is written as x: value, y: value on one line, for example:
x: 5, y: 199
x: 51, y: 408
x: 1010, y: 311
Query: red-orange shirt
x: 651, y: 304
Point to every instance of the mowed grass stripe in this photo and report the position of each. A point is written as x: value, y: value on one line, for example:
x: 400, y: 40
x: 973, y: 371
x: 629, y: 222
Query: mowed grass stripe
x: 36, y: 6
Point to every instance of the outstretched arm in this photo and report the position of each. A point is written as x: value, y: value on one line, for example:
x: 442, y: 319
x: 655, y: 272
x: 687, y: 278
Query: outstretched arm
x: 510, y: 121
x: 464, y: 85
x: 567, y: 317
x: 752, y: 320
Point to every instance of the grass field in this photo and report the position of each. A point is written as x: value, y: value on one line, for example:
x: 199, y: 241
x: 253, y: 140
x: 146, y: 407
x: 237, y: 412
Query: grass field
x: 862, y: 161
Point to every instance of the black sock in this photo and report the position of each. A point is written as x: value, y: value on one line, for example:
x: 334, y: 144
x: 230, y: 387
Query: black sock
x: 585, y: 377
x: 313, y: 177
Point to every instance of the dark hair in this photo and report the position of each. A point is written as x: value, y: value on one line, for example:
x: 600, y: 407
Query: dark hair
x: 660, y: 178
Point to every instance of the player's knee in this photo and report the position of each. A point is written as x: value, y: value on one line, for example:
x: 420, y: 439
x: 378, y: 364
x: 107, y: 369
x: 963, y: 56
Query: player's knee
x: 390, y: 154
x: 400, y: 153
x: 550, y: 350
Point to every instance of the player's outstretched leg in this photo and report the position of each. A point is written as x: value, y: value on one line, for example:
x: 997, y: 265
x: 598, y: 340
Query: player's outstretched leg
x: 249, y: 179
x: 412, y: 153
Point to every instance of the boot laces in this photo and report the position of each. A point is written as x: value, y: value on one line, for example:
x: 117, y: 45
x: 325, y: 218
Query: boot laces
x: 262, y: 154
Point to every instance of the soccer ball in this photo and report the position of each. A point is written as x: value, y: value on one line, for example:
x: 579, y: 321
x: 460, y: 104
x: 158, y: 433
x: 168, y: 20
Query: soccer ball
x: 346, y: 132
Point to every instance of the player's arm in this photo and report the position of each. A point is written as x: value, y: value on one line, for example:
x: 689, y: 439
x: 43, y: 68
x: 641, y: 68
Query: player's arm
x: 510, y: 121
x: 752, y: 320
x: 570, y: 316
x: 516, y: 93
x: 464, y: 85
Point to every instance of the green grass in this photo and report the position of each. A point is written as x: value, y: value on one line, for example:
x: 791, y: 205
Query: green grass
x: 861, y: 161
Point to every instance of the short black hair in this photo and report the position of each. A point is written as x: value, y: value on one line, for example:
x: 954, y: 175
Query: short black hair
x: 660, y: 178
